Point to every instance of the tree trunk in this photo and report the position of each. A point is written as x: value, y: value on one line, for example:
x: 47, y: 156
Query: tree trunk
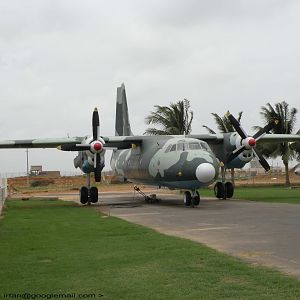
x: 287, y: 177
x: 232, y: 175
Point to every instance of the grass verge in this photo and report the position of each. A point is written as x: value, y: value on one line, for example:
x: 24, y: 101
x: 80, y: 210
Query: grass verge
x: 51, y: 246
x: 263, y: 194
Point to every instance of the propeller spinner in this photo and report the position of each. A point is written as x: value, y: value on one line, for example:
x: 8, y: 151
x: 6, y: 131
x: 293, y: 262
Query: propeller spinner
x: 249, y: 142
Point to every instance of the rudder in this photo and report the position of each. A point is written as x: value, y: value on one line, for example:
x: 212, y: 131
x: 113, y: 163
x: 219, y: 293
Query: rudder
x: 122, y: 126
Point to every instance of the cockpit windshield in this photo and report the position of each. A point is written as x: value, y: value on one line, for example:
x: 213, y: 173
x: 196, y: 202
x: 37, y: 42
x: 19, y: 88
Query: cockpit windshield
x: 194, y: 146
x: 183, y: 146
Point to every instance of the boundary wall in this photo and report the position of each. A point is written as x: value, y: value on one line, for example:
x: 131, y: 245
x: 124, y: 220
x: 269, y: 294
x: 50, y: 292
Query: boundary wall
x: 3, y: 192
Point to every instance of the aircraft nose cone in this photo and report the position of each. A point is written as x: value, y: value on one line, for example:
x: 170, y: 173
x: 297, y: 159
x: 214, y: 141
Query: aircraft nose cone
x: 205, y: 172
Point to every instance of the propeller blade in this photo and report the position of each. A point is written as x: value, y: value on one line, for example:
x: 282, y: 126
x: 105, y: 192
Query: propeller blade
x: 95, y: 124
x: 264, y: 130
x: 77, y: 147
x: 95, y: 160
x: 262, y: 160
x: 97, y: 167
x: 236, y: 125
x: 235, y: 154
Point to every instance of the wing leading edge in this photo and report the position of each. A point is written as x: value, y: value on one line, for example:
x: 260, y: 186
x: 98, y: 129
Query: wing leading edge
x: 39, y: 143
x: 279, y: 138
x: 120, y: 142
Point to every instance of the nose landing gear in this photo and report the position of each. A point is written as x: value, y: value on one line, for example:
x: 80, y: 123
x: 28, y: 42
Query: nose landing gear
x: 191, y: 199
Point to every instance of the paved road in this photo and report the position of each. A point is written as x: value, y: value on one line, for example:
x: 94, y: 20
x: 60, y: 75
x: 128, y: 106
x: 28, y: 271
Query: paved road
x: 262, y: 233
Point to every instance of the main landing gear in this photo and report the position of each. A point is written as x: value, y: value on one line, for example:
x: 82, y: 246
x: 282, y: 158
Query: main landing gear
x: 88, y: 194
x: 224, y: 190
x: 191, y: 199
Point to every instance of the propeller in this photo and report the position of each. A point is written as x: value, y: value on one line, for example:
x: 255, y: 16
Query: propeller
x: 249, y: 142
x: 95, y: 146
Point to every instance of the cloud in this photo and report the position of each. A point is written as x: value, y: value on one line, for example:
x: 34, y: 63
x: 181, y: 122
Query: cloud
x: 60, y: 59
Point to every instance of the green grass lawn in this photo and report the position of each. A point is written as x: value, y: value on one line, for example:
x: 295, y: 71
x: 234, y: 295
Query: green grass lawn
x: 51, y: 246
x: 264, y: 194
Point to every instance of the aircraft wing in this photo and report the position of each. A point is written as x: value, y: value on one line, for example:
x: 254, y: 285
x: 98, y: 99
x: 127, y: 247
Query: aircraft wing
x: 120, y: 142
x: 40, y: 143
x: 210, y: 138
x: 268, y: 138
x: 125, y: 142
x: 278, y: 138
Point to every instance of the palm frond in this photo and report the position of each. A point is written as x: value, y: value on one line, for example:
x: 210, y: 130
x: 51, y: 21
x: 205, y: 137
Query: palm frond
x: 219, y: 121
x: 173, y: 119
x: 154, y: 131
x: 209, y: 129
x: 239, y: 116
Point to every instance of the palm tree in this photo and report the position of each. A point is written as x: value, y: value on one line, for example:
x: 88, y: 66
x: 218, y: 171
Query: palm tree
x: 286, y: 121
x: 174, y: 119
x: 296, y: 147
x: 224, y: 126
x: 223, y: 123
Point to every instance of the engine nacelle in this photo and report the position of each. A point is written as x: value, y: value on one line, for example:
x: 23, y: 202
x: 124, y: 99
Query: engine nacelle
x: 85, y: 159
x: 297, y: 171
x: 243, y: 158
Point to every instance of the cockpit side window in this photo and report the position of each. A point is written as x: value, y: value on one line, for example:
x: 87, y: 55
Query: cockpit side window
x: 204, y: 146
x: 173, y: 148
x: 168, y: 148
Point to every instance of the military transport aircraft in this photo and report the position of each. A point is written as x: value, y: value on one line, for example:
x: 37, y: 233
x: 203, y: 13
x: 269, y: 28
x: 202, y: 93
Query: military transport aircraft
x: 178, y: 162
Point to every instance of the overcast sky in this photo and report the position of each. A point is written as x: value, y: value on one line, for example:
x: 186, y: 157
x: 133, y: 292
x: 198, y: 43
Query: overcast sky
x: 60, y: 59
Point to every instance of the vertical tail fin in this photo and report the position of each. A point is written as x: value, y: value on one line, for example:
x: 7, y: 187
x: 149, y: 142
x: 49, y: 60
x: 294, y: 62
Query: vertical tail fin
x: 122, y: 117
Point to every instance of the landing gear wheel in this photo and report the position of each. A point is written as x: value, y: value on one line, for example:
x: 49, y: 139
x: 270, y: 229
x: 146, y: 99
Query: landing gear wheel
x: 84, y: 195
x: 197, y: 199
x: 94, y: 194
x: 219, y: 190
x: 187, y: 198
x: 229, y: 188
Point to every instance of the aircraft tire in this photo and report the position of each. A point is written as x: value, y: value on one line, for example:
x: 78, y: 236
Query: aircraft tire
x: 219, y: 190
x: 187, y: 198
x: 229, y: 189
x: 197, y: 199
x: 94, y: 194
x: 84, y: 195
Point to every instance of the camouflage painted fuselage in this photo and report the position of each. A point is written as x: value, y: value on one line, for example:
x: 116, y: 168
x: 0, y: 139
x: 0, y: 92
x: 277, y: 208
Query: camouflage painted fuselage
x: 155, y: 162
